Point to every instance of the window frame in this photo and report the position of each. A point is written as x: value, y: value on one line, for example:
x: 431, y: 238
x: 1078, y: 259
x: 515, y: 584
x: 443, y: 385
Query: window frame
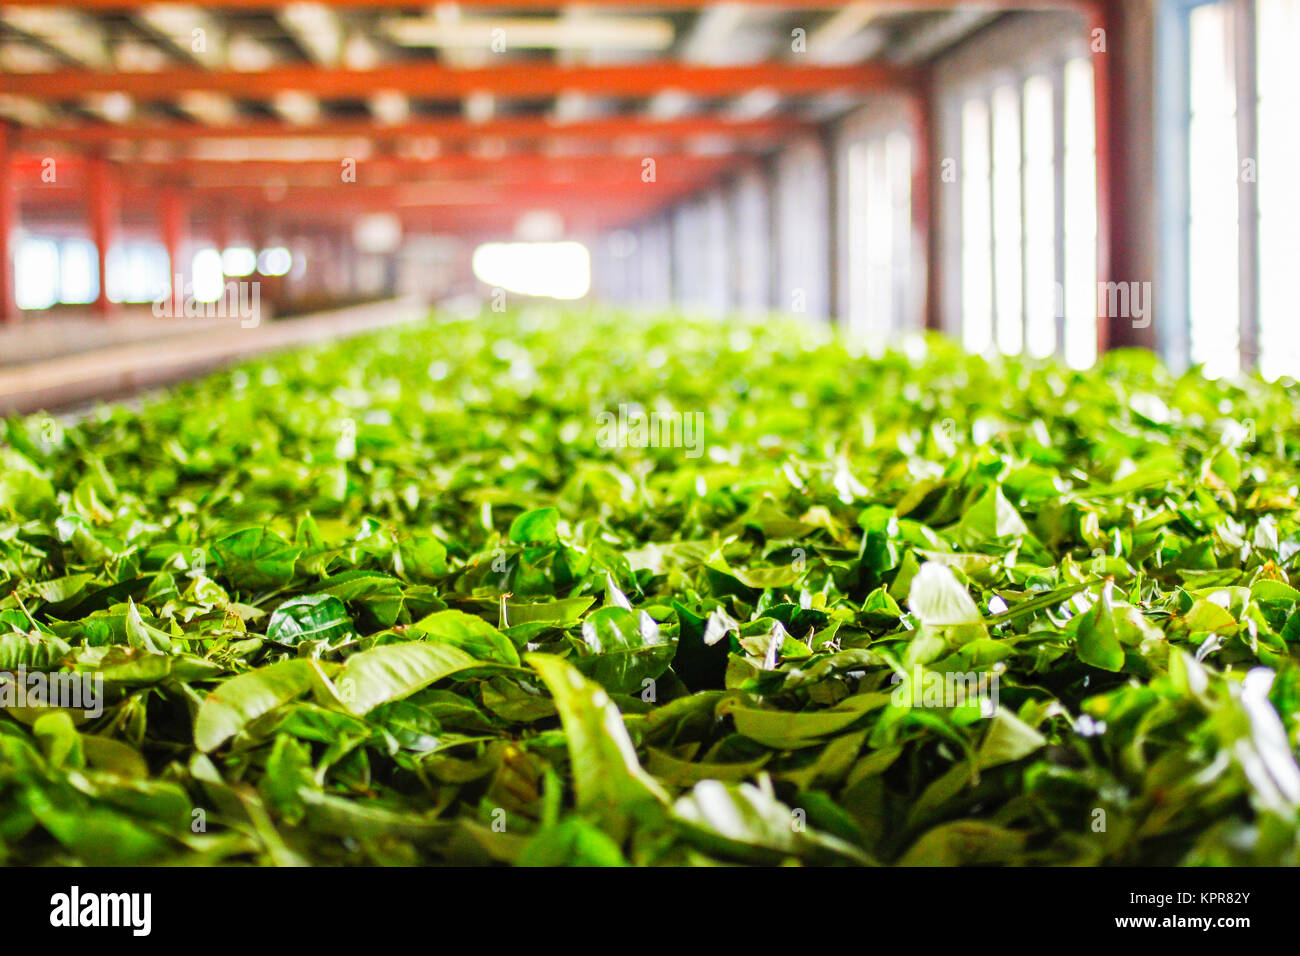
x: 1043, y: 45
x: 875, y: 125
x: 1173, y: 144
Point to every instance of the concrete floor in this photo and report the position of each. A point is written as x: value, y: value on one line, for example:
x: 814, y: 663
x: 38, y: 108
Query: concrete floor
x: 57, y: 362
x: 48, y: 335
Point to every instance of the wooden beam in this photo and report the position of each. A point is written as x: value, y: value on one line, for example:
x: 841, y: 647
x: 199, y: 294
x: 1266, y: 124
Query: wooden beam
x: 521, y: 80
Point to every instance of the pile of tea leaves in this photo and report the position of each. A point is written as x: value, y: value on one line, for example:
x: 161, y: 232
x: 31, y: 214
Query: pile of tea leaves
x: 586, y: 588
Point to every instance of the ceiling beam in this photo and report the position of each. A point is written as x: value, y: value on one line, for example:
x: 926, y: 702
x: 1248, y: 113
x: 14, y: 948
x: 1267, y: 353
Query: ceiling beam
x: 486, y: 213
x: 74, y: 35
x: 559, y: 33
x: 186, y: 30
x: 830, y: 5
x: 442, y: 171
x: 452, y: 195
x: 316, y: 29
x: 435, y: 81
x: 450, y: 129
x: 511, y: 196
x: 848, y: 35
x: 935, y: 38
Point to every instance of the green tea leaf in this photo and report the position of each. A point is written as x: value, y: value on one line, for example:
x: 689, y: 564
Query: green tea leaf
x: 240, y: 700
x: 394, y: 671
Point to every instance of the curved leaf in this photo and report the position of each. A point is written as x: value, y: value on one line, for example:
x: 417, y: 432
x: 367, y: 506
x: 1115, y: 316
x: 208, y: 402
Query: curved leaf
x: 233, y: 705
x: 607, y: 777
x: 394, y: 671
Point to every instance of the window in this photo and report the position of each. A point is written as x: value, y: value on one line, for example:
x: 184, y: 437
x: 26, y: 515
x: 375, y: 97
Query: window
x: 1028, y: 213
x: 802, y: 220
x: 207, y: 282
x: 1212, y: 226
x: 716, y: 254
x: 879, y: 233
x: 50, y: 271
x: 78, y: 272
x: 1079, y: 292
x: 1040, y: 218
x: 655, y: 258
x: 36, y: 269
x: 1230, y: 143
x: 751, y: 237
x: 690, y: 257
x: 137, y: 271
x: 700, y: 255
x: 1279, y: 189
x: 556, y: 270
x: 977, y: 228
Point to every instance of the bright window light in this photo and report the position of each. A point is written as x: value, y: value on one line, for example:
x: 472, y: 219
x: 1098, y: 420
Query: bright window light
x: 1008, y: 275
x: 209, y: 281
x: 238, y: 261
x: 879, y: 196
x: 880, y: 237
x: 1213, y: 226
x: 137, y: 271
x: 276, y: 261
x: 78, y: 272
x: 37, y: 272
x: 1080, y: 216
x: 977, y: 228
x: 1279, y: 190
x: 1040, y: 217
x: 556, y: 270
x: 378, y: 233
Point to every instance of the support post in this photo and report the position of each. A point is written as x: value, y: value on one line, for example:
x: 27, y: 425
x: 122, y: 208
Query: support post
x: 175, y: 235
x: 8, y: 220
x: 923, y: 106
x: 103, y: 223
x: 1120, y: 258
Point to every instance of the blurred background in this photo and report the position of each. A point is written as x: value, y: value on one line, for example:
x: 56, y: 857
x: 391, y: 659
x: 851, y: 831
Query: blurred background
x: 1052, y: 177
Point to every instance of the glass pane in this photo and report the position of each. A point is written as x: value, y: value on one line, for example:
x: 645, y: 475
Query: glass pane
x: 1279, y: 187
x: 1040, y: 219
x: 859, y: 310
x: 1213, y: 226
x: 718, y: 290
x: 803, y: 229
x: 36, y: 274
x: 1007, y: 275
x: 78, y: 272
x: 898, y: 149
x: 137, y: 271
x: 976, y: 229
x: 880, y: 240
x: 1080, y: 293
x: 752, y: 238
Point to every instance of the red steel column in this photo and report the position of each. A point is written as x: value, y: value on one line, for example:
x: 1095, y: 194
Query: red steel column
x: 175, y: 233
x: 925, y: 230
x: 103, y: 223
x: 1117, y: 210
x: 348, y: 262
x: 221, y: 231
x: 8, y: 217
x: 1099, y: 19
